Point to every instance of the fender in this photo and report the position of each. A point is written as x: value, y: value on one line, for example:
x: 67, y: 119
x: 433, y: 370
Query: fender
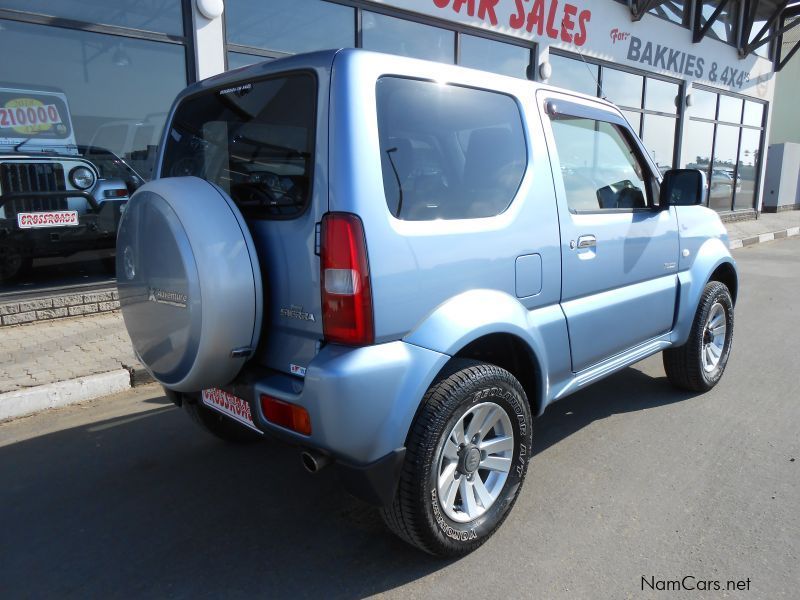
x: 691, y: 282
x: 476, y: 313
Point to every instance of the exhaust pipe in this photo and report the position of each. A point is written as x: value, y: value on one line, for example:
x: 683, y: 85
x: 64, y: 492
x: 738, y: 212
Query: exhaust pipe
x: 314, y: 461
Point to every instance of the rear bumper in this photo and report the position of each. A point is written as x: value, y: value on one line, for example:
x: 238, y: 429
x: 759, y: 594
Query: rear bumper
x: 361, y: 401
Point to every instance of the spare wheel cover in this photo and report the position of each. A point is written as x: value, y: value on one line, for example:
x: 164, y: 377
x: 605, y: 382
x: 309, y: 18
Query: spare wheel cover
x: 189, y: 283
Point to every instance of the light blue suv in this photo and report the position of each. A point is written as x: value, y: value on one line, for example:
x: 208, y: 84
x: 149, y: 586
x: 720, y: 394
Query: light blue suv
x: 396, y: 264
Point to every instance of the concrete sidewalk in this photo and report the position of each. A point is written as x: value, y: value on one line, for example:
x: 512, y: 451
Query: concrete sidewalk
x: 62, y: 361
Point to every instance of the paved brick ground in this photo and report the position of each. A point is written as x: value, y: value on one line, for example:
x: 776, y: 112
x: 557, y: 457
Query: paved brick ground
x: 49, y: 351
x: 63, y: 349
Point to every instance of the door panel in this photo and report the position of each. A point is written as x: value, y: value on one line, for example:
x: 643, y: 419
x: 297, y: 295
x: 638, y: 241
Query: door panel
x: 619, y: 251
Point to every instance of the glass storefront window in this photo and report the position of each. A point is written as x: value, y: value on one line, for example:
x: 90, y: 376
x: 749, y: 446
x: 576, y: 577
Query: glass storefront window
x: 497, y: 57
x: 635, y: 119
x: 748, y: 169
x: 659, y: 139
x: 291, y: 26
x: 406, y: 38
x: 573, y: 74
x: 753, y: 113
x: 730, y: 109
x: 622, y: 88
x: 152, y: 15
x: 661, y: 96
x: 110, y: 97
x: 722, y: 185
x: 696, y: 149
x: 704, y: 104
x: 239, y: 59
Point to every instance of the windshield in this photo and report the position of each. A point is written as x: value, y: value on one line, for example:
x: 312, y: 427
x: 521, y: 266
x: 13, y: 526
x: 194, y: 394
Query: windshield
x: 254, y: 140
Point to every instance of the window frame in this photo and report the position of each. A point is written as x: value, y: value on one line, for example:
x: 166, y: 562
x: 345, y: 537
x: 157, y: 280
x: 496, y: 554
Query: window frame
x: 523, y: 130
x: 567, y: 109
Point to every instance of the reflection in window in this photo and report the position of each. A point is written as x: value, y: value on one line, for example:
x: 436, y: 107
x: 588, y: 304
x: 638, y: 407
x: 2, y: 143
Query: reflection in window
x: 635, y: 119
x: 406, y: 38
x: 753, y: 113
x: 152, y: 15
x: 661, y: 96
x: 497, y: 57
x: 622, y: 88
x: 599, y: 168
x: 721, y: 188
x: 724, y: 26
x: 118, y: 89
x: 659, y: 139
x: 575, y: 75
x: 730, y: 109
x: 748, y: 169
x: 239, y: 59
x: 696, y: 150
x: 704, y: 104
x: 289, y: 25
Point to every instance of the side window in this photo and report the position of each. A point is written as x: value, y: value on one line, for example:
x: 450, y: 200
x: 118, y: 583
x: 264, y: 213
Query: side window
x: 601, y: 170
x: 448, y: 152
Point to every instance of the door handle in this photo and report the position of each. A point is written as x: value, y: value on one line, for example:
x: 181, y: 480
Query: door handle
x: 587, y: 241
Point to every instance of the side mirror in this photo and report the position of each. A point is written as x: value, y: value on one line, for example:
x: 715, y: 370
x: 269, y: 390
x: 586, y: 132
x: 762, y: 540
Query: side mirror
x: 683, y: 187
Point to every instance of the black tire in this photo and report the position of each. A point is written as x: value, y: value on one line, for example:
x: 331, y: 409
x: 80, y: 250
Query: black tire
x: 684, y: 364
x: 14, y: 262
x: 219, y: 425
x: 416, y: 514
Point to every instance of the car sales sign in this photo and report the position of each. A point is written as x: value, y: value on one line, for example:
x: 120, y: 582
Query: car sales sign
x: 604, y: 30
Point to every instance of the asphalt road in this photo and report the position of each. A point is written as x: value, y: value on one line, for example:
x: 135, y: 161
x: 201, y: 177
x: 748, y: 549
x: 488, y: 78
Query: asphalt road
x: 123, y: 497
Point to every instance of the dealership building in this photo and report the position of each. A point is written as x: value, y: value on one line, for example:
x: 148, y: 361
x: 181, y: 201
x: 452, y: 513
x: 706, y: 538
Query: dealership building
x: 695, y: 78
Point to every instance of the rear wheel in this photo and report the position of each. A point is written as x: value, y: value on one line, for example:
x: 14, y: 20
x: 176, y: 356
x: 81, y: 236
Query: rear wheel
x: 698, y: 365
x: 466, y: 458
x: 220, y: 426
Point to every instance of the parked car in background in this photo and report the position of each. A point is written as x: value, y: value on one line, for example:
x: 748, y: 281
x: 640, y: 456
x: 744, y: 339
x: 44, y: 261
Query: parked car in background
x: 396, y: 264
x: 56, y: 198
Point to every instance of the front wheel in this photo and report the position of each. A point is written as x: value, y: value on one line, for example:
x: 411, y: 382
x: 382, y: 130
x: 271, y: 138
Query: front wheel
x: 698, y: 365
x: 466, y: 458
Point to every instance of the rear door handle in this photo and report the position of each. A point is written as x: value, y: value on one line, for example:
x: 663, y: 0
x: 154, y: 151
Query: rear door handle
x: 587, y: 241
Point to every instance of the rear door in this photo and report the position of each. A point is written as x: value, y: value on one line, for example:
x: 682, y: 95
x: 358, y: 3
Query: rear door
x: 619, y: 250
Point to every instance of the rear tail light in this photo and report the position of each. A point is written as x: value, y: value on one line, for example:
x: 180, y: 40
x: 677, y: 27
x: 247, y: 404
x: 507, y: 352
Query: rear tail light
x: 115, y: 193
x: 346, y: 289
x: 288, y: 415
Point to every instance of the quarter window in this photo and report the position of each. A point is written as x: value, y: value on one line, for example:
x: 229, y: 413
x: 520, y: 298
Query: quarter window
x: 448, y: 152
x: 600, y: 169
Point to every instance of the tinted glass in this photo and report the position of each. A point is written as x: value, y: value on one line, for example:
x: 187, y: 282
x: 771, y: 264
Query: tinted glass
x: 696, y: 150
x: 254, y: 141
x: 448, y: 152
x: 720, y: 194
x: 573, y: 75
x: 669, y: 10
x: 406, y: 38
x: 704, y: 104
x: 497, y: 57
x: 753, y: 113
x: 239, y: 59
x: 748, y: 169
x: 623, y: 89
x: 661, y: 96
x: 730, y: 109
x: 599, y: 167
x: 659, y: 139
x: 289, y: 25
x: 118, y: 90
x: 153, y: 15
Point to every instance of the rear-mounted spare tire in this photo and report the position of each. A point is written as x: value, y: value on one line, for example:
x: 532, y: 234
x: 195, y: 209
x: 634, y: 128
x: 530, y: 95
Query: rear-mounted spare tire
x: 189, y: 283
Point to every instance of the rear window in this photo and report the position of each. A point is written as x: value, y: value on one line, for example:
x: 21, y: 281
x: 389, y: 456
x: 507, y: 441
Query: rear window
x: 448, y: 152
x: 255, y: 140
